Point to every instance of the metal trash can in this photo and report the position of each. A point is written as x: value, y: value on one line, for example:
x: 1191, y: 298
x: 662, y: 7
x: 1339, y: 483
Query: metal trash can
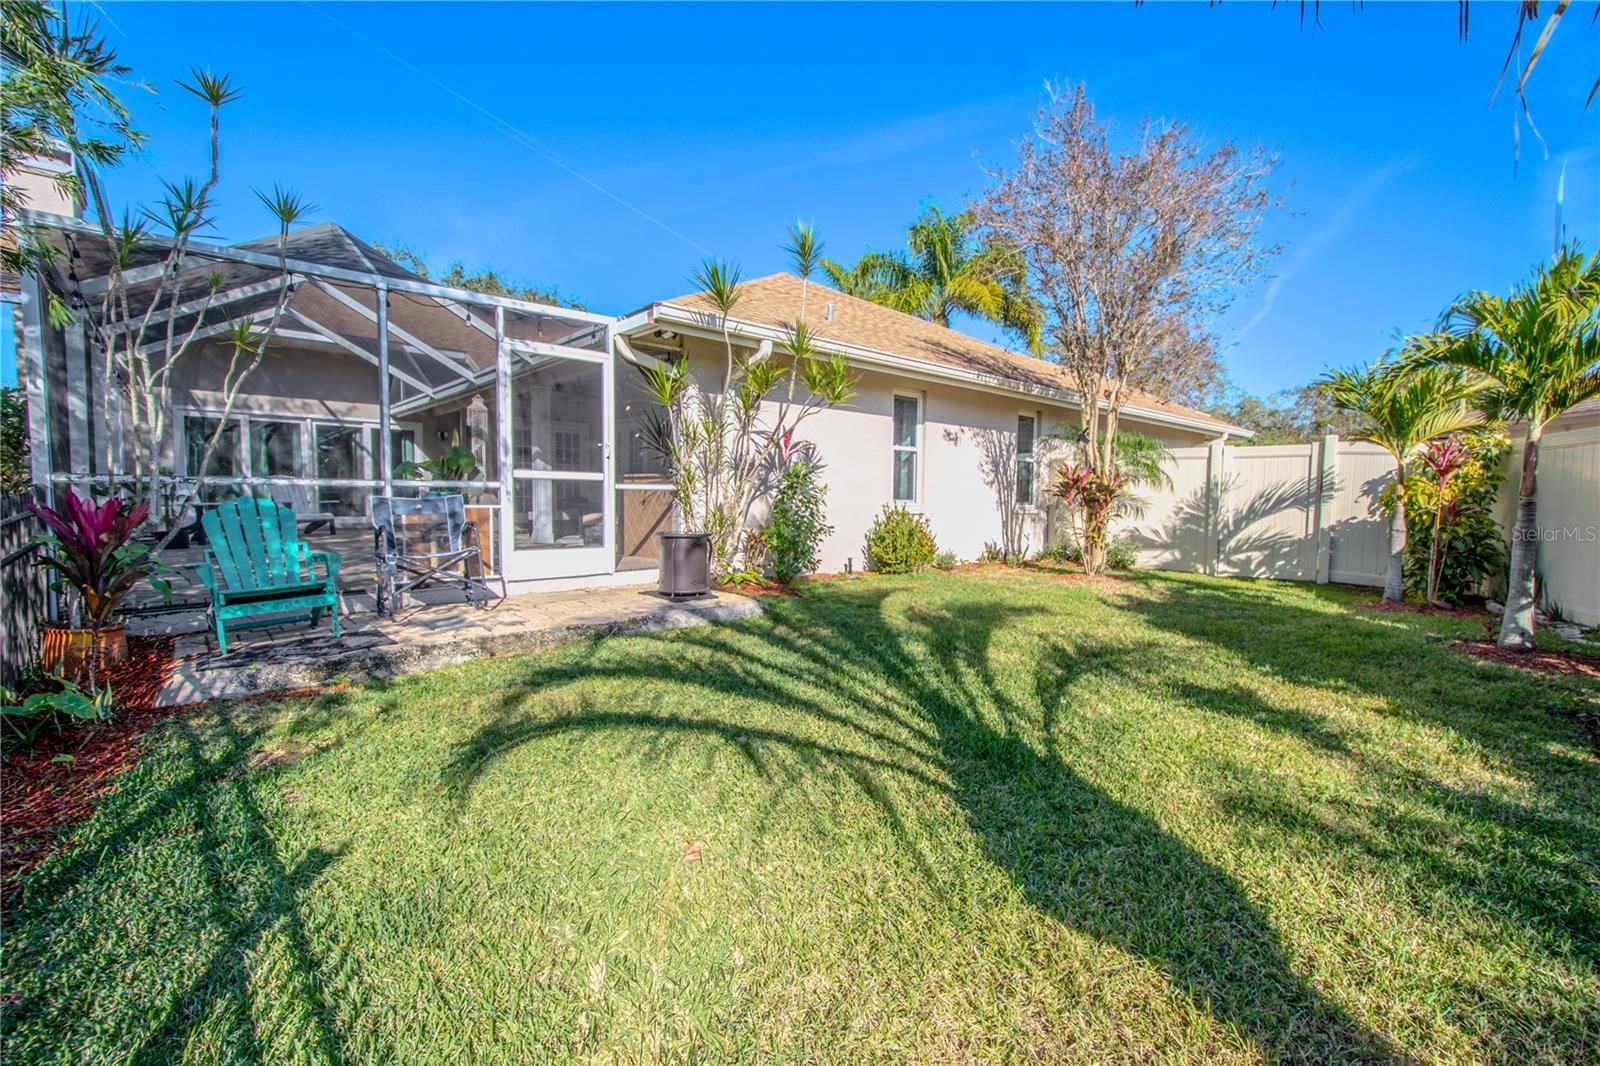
x: 685, y: 564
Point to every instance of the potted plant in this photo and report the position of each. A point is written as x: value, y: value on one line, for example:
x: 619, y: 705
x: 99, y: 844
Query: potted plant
x: 91, y: 548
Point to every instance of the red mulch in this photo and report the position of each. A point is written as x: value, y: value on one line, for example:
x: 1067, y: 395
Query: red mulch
x: 1565, y: 663
x: 1072, y: 574
x: 1473, y: 611
x: 38, y: 794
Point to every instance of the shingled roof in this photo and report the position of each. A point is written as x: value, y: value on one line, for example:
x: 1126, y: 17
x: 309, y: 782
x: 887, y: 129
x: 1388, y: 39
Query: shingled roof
x: 774, y: 301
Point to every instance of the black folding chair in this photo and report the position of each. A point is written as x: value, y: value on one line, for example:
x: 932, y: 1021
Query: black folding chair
x: 426, y: 542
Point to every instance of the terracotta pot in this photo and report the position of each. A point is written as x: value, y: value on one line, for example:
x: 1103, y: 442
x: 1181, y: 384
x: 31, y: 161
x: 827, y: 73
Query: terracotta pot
x: 65, y: 652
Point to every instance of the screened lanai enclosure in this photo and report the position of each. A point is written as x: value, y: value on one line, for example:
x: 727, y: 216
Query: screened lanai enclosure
x: 370, y: 376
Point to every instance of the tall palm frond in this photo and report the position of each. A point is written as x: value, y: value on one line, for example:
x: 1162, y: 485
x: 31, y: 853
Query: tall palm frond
x: 947, y: 268
x: 1404, y: 405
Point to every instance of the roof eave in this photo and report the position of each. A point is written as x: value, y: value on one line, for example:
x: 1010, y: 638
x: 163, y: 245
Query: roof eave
x: 709, y: 324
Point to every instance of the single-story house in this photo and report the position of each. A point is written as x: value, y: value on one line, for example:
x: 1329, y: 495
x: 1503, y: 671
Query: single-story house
x: 373, y: 367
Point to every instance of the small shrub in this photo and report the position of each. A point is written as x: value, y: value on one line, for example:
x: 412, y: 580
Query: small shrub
x: 991, y: 553
x: 1122, y: 555
x: 899, y: 542
x: 1059, y: 551
x: 796, y: 527
x: 946, y: 560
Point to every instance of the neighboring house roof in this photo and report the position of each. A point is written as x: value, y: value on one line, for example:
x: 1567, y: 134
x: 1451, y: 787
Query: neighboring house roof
x: 330, y: 244
x: 775, y: 301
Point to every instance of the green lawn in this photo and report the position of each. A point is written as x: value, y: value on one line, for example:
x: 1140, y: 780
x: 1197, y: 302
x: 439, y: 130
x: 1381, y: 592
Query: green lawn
x: 973, y: 817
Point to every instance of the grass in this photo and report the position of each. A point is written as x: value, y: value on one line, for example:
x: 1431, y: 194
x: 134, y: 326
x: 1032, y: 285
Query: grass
x: 971, y: 817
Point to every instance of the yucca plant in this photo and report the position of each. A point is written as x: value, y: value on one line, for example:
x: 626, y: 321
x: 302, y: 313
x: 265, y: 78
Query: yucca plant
x: 1402, y: 407
x: 721, y: 435
x: 1537, y: 352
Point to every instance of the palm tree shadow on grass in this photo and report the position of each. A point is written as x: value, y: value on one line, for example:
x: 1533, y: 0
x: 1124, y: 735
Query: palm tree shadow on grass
x: 924, y: 705
x: 1521, y: 723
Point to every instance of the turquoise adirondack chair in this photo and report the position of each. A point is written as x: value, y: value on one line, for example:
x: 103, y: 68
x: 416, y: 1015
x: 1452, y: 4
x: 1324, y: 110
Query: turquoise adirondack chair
x: 261, y: 573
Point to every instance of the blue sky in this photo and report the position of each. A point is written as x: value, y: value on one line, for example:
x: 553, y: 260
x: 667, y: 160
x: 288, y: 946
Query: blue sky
x: 680, y: 129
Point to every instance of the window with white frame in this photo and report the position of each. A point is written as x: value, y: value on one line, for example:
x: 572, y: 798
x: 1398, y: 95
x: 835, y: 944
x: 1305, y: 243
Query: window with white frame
x: 1027, y: 446
x: 907, y: 442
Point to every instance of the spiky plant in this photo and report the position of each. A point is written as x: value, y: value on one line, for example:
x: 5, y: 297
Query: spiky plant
x: 1538, y: 353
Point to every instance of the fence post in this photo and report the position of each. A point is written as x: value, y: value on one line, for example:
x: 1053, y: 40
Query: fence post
x: 1216, y: 499
x: 1327, y: 489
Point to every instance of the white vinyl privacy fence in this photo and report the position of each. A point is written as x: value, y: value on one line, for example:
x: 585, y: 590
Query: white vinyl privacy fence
x: 1309, y: 512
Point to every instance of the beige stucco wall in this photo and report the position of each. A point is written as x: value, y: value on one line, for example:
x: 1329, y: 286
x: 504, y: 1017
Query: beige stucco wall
x: 967, y: 448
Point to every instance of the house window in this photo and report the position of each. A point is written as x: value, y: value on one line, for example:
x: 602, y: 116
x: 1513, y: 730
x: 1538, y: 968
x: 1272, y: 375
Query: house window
x: 274, y: 449
x: 197, y: 431
x: 1027, y: 443
x: 907, y: 428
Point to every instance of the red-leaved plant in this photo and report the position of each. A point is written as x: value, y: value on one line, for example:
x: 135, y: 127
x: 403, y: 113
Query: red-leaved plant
x: 91, y: 548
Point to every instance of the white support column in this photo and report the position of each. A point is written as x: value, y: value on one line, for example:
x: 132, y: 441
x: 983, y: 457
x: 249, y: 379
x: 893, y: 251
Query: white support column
x: 608, y: 420
x: 503, y: 456
x: 385, y: 437
x: 30, y: 364
x: 1327, y: 490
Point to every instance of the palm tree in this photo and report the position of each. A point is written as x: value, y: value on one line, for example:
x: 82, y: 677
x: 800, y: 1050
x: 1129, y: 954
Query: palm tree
x: 947, y: 268
x: 1539, y: 351
x: 1402, y: 407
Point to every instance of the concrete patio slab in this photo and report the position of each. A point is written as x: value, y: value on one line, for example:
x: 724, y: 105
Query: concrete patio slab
x: 422, y: 636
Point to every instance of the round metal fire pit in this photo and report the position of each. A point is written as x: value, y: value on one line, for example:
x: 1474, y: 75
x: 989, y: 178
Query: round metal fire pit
x: 685, y: 564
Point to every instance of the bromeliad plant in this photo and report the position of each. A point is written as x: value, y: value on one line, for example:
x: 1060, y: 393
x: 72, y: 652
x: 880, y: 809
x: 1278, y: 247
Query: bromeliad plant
x: 721, y: 438
x: 91, y: 549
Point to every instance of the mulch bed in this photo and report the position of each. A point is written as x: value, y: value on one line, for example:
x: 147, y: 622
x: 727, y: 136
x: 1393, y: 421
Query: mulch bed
x: 1545, y: 660
x: 40, y: 791
x: 1470, y: 611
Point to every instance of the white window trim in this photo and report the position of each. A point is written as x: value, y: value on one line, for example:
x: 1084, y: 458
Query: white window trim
x: 1032, y: 503
x: 308, y: 438
x: 916, y: 449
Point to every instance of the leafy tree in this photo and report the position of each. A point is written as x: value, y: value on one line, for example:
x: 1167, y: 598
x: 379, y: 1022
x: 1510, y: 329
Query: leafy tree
x: 15, y: 474
x: 485, y: 280
x: 1402, y: 408
x: 1538, y: 350
x: 948, y: 267
x: 1288, y: 416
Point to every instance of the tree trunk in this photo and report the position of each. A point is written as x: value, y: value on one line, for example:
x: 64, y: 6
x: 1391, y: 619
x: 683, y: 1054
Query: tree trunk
x: 1394, y: 588
x: 1516, y: 625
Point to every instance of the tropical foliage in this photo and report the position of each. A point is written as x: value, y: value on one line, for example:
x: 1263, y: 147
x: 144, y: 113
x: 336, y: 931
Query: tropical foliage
x: 1094, y: 498
x: 1537, y: 352
x: 15, y: 475
x: 91, y: 549
x: 948, y: 267
x: 798, y: 521
x: 722, y: 436
x: 900, y: 542
x: 1453, y: 542
x: 1402, y: 407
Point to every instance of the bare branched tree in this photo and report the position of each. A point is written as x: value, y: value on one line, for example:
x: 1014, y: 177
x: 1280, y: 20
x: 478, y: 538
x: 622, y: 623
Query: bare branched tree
x: 1128, y: 249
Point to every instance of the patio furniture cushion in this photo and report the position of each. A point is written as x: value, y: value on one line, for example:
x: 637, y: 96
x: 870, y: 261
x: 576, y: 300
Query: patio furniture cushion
x: 257, y: 568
